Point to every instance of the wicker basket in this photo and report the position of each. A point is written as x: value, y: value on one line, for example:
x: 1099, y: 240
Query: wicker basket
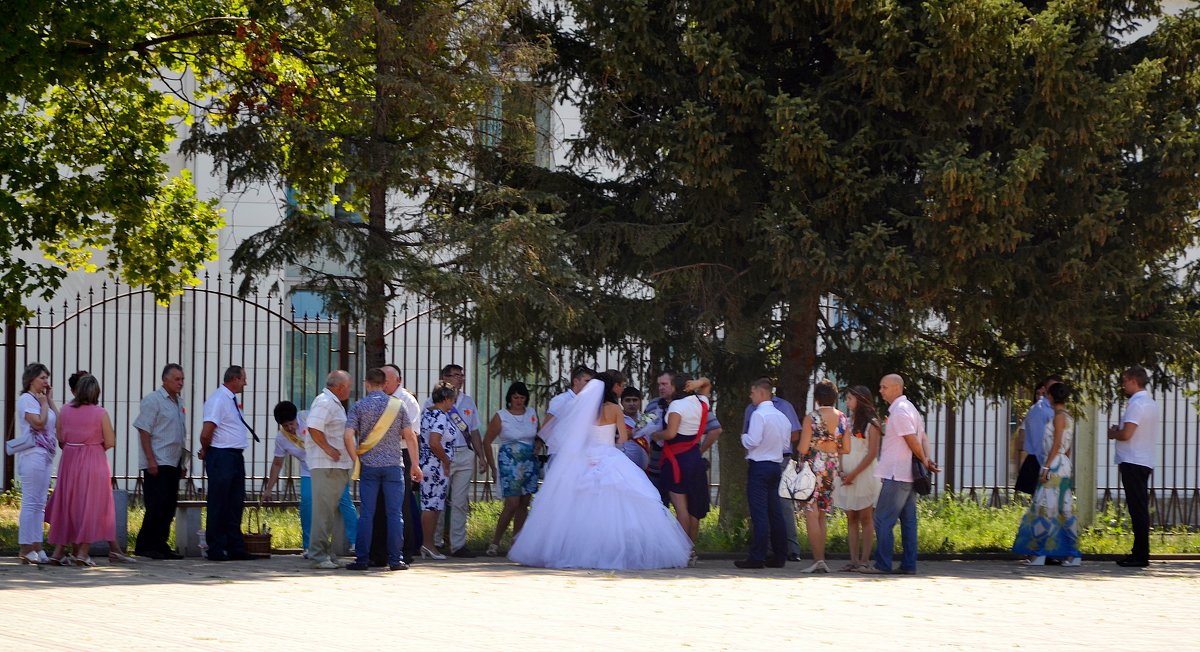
x: 258, y: 543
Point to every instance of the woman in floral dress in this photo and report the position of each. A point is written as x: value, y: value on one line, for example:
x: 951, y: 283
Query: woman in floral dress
x: 516, y: 426
x: 435, y: 460
x: 822, y: 439
x: 1048, y: 528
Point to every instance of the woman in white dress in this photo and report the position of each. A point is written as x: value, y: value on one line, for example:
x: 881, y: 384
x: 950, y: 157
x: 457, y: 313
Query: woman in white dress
x: 596, y: 509
x: 856, y: 488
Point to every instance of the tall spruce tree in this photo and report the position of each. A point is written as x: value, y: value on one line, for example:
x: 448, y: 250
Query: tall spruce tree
x: 984, y: 191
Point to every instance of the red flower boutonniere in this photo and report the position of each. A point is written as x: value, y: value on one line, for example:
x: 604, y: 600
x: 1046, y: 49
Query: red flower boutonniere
x: 467, y: 412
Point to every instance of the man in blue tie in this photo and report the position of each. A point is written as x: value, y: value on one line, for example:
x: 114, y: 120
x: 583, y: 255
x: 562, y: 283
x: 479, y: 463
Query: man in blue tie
x: 222, y: 440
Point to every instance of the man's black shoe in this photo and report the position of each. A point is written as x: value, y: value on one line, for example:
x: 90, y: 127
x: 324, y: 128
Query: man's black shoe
x: 463, y: 553
x: 241, y: 556
x: 356, y: 566
x: 749, y: 563
x: 171, y: 554
x: 793, y: 557
x: 152, y: 554
x: 218, y: 557
x: 408, y: 559
x: 774, y: 563
x: 398, y: 566
x: 1133, y: 562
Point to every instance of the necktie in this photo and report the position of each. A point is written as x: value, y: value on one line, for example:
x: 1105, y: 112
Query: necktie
x: 238, y: 409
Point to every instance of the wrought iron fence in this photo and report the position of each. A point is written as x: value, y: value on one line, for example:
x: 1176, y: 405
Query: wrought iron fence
x: 124, y: 338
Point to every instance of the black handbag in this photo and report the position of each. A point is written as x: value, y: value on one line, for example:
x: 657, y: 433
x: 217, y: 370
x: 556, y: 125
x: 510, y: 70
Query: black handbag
x: 922, y: 484
x: 1028, y: 476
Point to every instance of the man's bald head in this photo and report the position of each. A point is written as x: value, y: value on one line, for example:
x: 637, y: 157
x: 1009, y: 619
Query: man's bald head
x: 891, y: 387
x: 391, y: 380
x: 339, y: 383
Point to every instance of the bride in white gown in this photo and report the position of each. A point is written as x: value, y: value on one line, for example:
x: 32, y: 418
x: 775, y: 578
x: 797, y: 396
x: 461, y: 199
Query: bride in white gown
x: 597, y: 509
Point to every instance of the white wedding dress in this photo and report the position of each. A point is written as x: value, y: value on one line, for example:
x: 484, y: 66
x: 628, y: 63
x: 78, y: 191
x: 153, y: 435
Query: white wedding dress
x: 597, y: 509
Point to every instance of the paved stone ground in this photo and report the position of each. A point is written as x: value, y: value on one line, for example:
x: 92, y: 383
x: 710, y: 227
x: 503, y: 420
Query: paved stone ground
x: 490, y: 604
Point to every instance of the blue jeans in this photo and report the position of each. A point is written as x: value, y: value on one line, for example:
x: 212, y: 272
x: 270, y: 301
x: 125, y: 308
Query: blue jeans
x: 386, y: 482
x: 766, y: 510
x: 897, y: 500
x: 346, y: 507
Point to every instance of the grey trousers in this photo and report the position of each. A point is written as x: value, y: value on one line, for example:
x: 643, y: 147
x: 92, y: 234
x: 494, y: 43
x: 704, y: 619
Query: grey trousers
x: 327, y: 485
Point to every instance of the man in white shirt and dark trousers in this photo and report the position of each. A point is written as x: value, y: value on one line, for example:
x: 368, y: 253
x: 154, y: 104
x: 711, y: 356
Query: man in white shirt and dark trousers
x: 222, y: 440
x: 765, y: 439
x: 394, y: 386
x: 1136, y: 439
x: 789, y: 509
x: 903, y: 441
x: 464, y: 416
x: 329, y: 464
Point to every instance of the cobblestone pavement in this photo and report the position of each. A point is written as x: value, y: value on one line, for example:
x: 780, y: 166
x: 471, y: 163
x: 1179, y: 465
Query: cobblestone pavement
x: 490, y: 604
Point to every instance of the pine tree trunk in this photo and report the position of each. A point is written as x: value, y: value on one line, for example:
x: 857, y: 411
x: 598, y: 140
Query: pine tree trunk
x: 799, y: 350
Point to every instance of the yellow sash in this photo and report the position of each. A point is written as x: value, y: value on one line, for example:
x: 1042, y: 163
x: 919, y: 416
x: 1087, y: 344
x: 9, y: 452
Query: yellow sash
x: 381, y: 427
x: 296, y: 439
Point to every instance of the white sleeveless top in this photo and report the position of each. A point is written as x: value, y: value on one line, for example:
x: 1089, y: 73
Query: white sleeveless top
x: 522, y: 428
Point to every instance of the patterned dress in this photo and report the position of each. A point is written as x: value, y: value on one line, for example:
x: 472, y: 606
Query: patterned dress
x: 1048, y: 527
x: 436, y: 484
x: 517, y: 465
x: 824, y: 465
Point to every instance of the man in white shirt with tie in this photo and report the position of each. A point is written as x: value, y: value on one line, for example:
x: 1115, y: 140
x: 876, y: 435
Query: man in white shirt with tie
x: 768, y: 434
x: 222, y: 440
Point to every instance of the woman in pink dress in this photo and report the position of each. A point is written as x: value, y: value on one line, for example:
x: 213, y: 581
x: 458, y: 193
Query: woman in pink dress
x: 81, y: 507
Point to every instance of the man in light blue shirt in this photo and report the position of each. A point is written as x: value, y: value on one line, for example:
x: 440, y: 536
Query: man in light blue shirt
x: 1034, y: 428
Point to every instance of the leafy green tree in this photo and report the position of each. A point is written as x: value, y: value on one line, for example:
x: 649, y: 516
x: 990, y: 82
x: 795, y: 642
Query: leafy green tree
x: 363, y: 109
x: 84, y: 127
x: 989, y: 190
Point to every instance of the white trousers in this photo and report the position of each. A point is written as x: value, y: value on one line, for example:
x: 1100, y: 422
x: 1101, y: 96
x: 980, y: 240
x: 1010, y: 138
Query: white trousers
x: 33, y: 470
x: 462, y: 470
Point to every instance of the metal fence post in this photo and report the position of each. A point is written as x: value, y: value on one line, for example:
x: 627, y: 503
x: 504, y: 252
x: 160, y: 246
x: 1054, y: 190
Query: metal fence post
x: 10, y: 403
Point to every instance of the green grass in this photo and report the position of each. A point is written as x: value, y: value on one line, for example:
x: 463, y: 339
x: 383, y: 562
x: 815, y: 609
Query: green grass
x: 947, y: 525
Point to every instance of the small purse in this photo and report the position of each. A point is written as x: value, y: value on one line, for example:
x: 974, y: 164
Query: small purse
x: 798, y: 481
x: 20, y: 444
x: 922, y: 483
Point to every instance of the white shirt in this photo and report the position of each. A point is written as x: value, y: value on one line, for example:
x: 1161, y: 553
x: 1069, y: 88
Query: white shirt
x: 285, y: 447
x: 328, y: 416
x: 221, y: 409
x: 895, y: 457
x: 688, y: 408
x: 770, y: 432
x: 560, y: 403
x: 521, y: 428
x: 1139, y: 449
x: 465, y: 406
x: 411, y: 407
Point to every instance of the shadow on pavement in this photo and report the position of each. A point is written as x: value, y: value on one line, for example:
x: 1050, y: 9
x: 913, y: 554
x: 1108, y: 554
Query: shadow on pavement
x: 15, y: 576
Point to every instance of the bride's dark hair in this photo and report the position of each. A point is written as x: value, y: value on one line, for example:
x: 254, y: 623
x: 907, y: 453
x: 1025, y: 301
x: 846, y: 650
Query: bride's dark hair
x: 609, y: 378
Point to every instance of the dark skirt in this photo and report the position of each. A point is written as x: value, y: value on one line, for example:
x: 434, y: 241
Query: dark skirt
x: 693, y: 480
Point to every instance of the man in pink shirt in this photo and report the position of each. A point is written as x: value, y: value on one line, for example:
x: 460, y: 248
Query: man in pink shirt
x: 903, y: 439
